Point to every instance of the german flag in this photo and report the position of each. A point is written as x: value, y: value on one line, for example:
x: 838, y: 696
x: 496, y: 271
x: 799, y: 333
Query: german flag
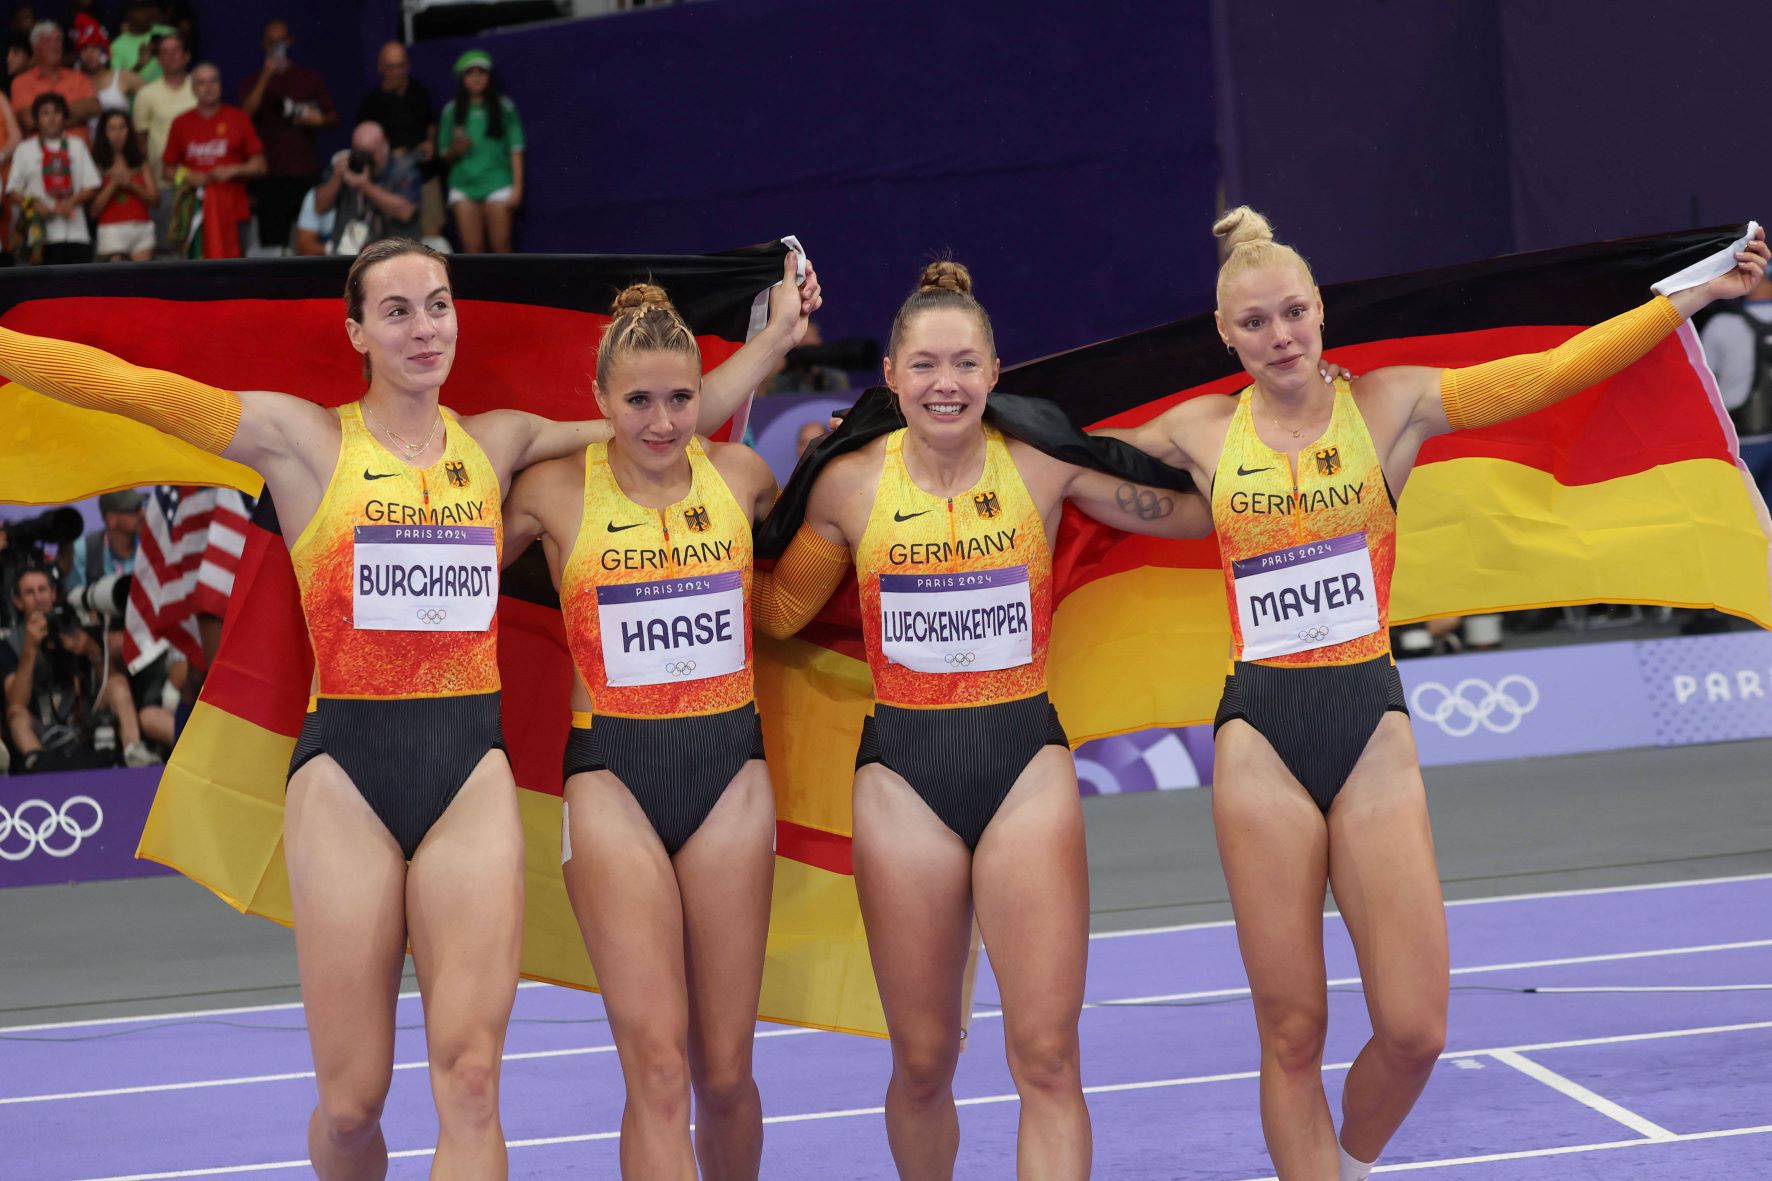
x: 529, y: 330
x: 1630, y: 492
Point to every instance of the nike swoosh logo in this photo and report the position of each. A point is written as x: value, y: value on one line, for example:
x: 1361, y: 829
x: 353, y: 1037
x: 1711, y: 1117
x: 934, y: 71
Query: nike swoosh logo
x: 369, y: 475
x: 902, y: 517
x: 1250, y: 471
x: 614, y: 528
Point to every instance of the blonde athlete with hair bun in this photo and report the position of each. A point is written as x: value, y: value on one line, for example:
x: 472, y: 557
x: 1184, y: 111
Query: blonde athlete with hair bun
x: 400, y: 824
x: 965, y: 792
x: 669, y: 821
x: 1317, y: 780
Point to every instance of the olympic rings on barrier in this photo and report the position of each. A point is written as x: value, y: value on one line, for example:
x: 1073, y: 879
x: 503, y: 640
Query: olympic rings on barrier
x: 679, y: 668
x: 961, y: 659
x: 1473, y: 702
x: 1315, y: 634
x: 44, y: 834
x: 432, y: 614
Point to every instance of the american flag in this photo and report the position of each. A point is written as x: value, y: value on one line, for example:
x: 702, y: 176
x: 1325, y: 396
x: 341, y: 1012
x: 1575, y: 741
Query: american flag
x: 191, y: 540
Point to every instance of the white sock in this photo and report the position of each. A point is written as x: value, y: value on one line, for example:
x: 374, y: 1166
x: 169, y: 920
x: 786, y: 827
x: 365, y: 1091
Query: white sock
x: 1353, y: 1170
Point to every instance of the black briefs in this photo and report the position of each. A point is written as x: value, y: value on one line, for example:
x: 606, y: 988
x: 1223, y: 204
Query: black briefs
x: 1318, y: 719
x: 408, y: 757
x: 676, y: 768
x: 963, y: 760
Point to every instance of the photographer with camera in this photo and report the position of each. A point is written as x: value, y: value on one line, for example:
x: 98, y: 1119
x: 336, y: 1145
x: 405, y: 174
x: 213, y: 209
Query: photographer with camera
x: 65, y: 709
x: 375, y: 192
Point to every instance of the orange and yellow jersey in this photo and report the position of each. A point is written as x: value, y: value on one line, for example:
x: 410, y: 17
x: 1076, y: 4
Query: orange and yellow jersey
x: 1307, y: 557
x: 398, y: 570
x: 657, y: 601
x: 956, y: 591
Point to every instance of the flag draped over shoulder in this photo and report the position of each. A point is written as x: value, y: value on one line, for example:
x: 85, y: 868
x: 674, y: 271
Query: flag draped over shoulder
x: 529, y: 328
x: 1631, y: 491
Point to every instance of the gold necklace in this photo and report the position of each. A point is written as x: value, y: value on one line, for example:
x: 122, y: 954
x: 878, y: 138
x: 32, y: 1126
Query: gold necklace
x: 412, y: 449
x: 1278, y: 425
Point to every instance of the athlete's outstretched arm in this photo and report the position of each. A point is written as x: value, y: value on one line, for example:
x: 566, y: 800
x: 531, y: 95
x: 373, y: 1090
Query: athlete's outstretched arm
x: 254, y: 428
x: 725, y: 388
x: 1136, y: 508
x: 786, y: 599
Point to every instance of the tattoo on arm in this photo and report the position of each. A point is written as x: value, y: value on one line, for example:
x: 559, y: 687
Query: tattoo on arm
x: 1143, y: 503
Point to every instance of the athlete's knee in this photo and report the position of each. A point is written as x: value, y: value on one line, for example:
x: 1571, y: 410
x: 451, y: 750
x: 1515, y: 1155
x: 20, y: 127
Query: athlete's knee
x: 348, y: 1120
x: 1414, y: 1042
x: 1045, y: 1060
x: 923, y: 1068
x: 1293, y: 1038
x: 467, y: 1088
x: 722, y: 1087
x: 657, y: 1072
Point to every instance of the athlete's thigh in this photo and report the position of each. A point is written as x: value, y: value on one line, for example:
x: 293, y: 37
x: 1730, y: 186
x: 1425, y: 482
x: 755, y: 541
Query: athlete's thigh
x: 914, y: 879
x: 725, y: 872
x: 464, y: 901
x: 1386, y: 882
x: 1030, y: 883
x: 624, y: 892
x: 347, y: 885
x: 1274, y: 846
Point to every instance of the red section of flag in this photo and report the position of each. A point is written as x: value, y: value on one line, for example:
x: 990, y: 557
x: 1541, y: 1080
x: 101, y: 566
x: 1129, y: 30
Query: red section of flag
x: 811, y: 846
x: 536, y: 673
x: 264, y: 668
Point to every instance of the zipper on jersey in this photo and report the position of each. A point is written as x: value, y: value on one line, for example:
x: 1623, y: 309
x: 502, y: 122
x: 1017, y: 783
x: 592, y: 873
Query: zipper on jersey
x: 953, y: 535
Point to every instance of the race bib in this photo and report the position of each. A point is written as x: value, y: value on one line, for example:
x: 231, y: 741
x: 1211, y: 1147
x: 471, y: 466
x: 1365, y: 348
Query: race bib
x: 441, y: 578
x: 977, y: 621
x: 1307, y: 596
x: 683, y: 629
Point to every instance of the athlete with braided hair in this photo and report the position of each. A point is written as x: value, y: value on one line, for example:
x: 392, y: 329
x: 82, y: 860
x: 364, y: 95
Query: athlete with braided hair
x: 1316, y: 779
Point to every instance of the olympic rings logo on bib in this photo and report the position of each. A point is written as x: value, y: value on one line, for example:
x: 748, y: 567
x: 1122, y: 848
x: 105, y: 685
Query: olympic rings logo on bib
x: 1294, y: 599
x: 1314, y: 635
x: 42, y: 835
x: 961, y: 659
x: 431, y: 614
x: 680, y: 668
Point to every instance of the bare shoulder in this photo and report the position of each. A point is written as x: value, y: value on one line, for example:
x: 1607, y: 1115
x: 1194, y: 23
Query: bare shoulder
x: 855, y: 470
x: 738, y: 464
x: 497, y: 426
x: 548, y: 482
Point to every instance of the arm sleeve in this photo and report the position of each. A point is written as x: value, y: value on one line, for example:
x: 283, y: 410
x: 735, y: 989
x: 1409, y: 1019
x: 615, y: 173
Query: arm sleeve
x: 785, y: 599
x: 1495, y: 391
x: 80, y: 375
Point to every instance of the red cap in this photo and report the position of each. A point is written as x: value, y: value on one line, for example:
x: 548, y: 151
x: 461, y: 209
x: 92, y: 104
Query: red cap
x: 90, y: 33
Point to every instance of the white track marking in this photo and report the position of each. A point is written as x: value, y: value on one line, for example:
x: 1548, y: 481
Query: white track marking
x: 1100, y: 1089
x: 1582, y: 1095
x: 1582, y: 893
x: 1564, y: 1150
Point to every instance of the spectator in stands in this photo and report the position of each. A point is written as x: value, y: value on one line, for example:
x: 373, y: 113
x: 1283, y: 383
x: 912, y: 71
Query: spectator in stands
x: 47, y: 75
x: 130, y: 48
x: 59, y: 698
x: 403, y: 107
x: 110, y: 550
x: 210, y: 149
x: 18, y: 60
x: 111, y: 84
x: 182, y: 17
x: 1737, y: 342
x: 313, y: 229
x: 52, y: 179
x: 481, y: 136
x: 164, y: 99
x: 374, y: 192
x: 23, y: 19
x: 288, y: 103
x: 794, y: 374
x: 127, y: 193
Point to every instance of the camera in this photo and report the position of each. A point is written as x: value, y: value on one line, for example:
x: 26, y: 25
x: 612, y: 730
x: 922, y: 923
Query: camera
x: 58, y: 526
x: 107, y: 596
x: 360, y: 161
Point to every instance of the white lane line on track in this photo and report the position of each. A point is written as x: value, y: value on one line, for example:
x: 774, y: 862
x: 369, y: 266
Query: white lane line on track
x: 1563, y: 1150
x: 1582, y: 893
x: 1099, y: 1089
x: 1582, y: 1095
x: 797, y: 1031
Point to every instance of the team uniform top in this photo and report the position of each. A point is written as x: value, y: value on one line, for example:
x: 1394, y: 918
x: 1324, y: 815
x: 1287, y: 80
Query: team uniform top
x: 1307, y: 558
x: 398, y: 570
x: 956, y: 591
x: 657, y: 601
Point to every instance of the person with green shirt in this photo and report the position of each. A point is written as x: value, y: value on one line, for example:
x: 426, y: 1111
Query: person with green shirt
x: 480, y: 137
x: 139, y: 30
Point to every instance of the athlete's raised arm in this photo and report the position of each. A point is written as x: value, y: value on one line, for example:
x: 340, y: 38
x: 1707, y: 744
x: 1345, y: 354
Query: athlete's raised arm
x: 786, y: 599
x: 1137, y: 508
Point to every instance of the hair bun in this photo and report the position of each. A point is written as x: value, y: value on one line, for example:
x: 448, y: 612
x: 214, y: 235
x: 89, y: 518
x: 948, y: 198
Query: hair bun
x: 946, y: 275
x: 639, y: 298
x: 1241, y: 226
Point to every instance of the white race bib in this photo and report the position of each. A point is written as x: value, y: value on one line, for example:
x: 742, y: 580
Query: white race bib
x: 683, y: 629
x: 971, y: 622
x: 1307, y: 596
x: 422, y: 578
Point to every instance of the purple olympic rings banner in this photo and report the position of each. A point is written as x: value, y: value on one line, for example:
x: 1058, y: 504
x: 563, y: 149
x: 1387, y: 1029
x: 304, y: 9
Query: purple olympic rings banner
x: 1533, y: 702
x: 75, y: 826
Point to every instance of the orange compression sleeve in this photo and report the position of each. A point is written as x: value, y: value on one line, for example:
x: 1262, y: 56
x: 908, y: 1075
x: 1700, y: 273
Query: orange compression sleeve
x: 1495, y: 391
x: 84, y: 376
x: 785, y: 599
